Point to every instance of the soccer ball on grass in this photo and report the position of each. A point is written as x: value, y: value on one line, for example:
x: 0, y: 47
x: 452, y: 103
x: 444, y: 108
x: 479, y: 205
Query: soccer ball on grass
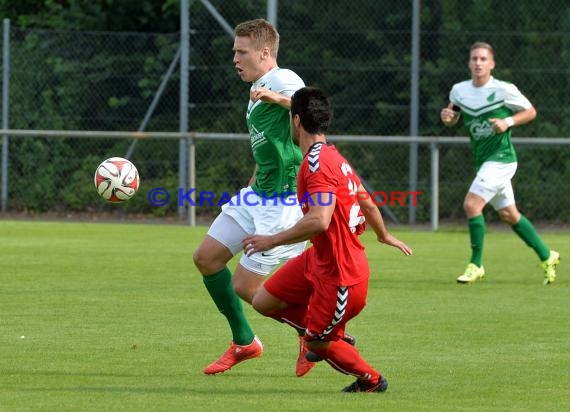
x: 116, y: 179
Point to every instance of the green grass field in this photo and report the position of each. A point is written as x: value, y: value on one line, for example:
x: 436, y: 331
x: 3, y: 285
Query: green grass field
x: 114, y: 317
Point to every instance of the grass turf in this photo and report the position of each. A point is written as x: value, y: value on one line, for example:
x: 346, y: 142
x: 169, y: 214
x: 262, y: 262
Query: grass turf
x: 115, y: 317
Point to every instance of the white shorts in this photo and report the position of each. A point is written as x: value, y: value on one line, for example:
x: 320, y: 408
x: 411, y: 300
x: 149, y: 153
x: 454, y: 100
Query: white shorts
x: 248, y: 214
x: 493, y: 183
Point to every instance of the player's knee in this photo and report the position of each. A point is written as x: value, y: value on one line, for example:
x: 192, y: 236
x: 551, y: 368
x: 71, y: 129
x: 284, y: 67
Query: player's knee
x: 508, y: 216
x: 467, y: 207
x: 205, y: 264
x: 263, y: 303
x: 244, y: 291
x: 259, y: 305
x: 472, y: 209
x: 198, y: 259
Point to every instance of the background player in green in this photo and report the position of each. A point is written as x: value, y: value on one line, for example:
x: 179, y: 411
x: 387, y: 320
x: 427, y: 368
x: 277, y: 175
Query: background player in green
x: 490, y: 108
x: 277, y: 159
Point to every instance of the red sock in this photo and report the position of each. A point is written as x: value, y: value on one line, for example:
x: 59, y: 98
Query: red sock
x: 346, y: 359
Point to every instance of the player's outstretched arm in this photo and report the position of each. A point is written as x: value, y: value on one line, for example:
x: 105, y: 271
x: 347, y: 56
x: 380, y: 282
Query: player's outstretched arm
x: 375, y: 220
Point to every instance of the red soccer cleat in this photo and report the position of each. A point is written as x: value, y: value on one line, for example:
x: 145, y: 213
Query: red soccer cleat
x: 234, y: 355
x: 303, y: 365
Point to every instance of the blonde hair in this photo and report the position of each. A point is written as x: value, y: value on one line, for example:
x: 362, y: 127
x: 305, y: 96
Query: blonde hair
x: 262, y: 32
x: 483, y: 45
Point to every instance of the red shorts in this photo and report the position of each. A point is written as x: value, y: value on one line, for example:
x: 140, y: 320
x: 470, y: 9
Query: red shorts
x: 330, y: 306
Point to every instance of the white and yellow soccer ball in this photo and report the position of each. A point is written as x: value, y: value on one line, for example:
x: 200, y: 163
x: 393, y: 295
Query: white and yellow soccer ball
x: 116, y: 179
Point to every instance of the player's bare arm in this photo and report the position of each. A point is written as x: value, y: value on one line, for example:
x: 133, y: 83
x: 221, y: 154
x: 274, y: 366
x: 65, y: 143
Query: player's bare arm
x: 269, y: 96
x: 317, y: 220
x: 374, y: 219
x: 449, y: 116
x: 522, y: 117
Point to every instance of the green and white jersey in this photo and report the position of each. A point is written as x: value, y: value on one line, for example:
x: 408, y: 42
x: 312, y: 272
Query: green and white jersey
x: 494, y: 100
x: 276, y: 156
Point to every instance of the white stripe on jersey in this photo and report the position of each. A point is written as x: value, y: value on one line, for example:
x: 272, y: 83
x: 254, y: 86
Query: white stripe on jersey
x: 491, y: 96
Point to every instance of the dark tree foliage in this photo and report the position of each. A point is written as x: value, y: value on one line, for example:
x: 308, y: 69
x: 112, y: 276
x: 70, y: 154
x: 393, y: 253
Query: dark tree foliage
x: 96, y: 65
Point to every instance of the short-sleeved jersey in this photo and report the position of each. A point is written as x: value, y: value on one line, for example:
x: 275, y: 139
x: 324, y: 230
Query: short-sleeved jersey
x: 339, y: 256
x: 276, y: 156
x: 495, y: 99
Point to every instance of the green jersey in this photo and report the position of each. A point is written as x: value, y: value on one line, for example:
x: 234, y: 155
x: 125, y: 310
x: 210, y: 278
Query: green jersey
x: 494, y: 100
x: 274, y: 152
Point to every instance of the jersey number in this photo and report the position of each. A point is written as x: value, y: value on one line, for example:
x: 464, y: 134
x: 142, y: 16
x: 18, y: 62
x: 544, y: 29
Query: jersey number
x: 355, y: 217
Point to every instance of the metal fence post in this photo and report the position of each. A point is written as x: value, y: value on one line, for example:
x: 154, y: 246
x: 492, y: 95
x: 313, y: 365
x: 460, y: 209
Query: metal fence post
x: 414, y: 103
x: 434, y: 186
x: 5, y: 111
x: 192, y: 180
x: 272, y: 8
x: 154, y: 102
x: 184, y: 63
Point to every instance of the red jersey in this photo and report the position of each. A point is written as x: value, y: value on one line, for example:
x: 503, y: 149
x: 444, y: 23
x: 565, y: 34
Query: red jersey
x: 339, y: 255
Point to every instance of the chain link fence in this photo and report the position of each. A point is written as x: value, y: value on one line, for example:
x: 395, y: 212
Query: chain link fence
x: 112, y: 81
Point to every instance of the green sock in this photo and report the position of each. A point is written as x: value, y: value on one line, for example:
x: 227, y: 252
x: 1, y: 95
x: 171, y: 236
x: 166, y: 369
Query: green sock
x: 526, y: 231
x: 477, y: 236
x: 221, y: 290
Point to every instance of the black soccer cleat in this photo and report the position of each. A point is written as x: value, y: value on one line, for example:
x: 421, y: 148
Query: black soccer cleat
x: 312, y: 357
x: 360, y: 386
x: 349, y: 339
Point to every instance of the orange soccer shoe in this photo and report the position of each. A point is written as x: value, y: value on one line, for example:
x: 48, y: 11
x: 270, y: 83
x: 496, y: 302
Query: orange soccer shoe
x: 234, y: 355
x: 303, y: 365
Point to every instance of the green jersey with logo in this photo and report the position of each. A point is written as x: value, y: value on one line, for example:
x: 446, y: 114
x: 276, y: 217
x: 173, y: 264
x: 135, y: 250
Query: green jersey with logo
x: 494, y: 100
x: 276, y: 156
